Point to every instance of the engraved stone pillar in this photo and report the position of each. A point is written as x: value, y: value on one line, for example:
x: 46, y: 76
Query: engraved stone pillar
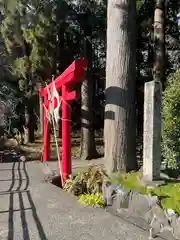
x: 152, y: 131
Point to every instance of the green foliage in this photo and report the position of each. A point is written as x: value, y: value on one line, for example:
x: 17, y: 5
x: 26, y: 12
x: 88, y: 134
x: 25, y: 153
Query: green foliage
x: 42, y: 40
x: 171, y: 122
x: 29, y: 39
x: 21, y: 66
x: 168, y: 194
x: 11, y: 33
x: 138, y: 4
x: 93, y: 199
x: 130, y: 181
x: 89, y: 182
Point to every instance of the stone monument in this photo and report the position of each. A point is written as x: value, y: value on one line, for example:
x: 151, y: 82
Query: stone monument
x: 152, y: 131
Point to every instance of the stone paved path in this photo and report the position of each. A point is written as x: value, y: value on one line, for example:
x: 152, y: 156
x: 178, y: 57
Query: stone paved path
x: 31, y: 208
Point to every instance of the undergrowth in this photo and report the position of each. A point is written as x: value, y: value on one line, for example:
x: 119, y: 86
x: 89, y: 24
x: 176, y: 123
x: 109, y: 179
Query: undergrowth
x: 171, y: 122
x: 87, y: 185
x: 130, y: 181
x: 88, y: 182
x: 93, y: 199
x: 168, y: 194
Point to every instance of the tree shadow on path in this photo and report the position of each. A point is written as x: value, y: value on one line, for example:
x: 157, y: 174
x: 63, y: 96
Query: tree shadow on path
x: 20, y: 187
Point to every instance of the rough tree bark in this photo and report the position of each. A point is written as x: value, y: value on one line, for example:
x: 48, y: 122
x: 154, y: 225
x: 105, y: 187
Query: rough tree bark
x: 88, y: 146
x: 159, y: 42
x: 120, y: 116
x: 30, y: 119
x: 30, y: 122
x: 62, y: 59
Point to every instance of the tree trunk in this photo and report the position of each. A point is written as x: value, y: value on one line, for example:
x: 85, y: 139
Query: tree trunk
x: 30, y: 123
x: 120, y: 109
x: 140, y: 109
x: 88, y: 146
x: 26, y: 127
x: 62, y: 60
x: 150, y: 55
x: 159, y: 42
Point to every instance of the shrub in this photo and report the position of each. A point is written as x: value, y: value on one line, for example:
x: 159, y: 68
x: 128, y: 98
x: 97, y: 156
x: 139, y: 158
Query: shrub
x: 171, y: 122
x: 88, y: 182
x: 130, y: 181
x: 168, y: 194
x: 93, y: 199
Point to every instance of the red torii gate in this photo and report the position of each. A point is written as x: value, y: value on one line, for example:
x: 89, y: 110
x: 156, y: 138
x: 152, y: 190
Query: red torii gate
x: 70, y: 77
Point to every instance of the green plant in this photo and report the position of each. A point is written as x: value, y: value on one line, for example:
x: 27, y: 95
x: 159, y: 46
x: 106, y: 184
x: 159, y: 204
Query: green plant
x: 93, y: 199
x: 168, y: 194
x: 130, y: 181
x: 89, y: 181
x: 76, y: 185
x: 171, y: 122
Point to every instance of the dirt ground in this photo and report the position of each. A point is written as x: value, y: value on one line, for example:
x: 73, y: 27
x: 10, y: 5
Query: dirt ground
x: 33, y: 151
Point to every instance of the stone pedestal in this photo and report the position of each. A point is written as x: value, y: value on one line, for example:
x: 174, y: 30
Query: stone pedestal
x: 152, y: 131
